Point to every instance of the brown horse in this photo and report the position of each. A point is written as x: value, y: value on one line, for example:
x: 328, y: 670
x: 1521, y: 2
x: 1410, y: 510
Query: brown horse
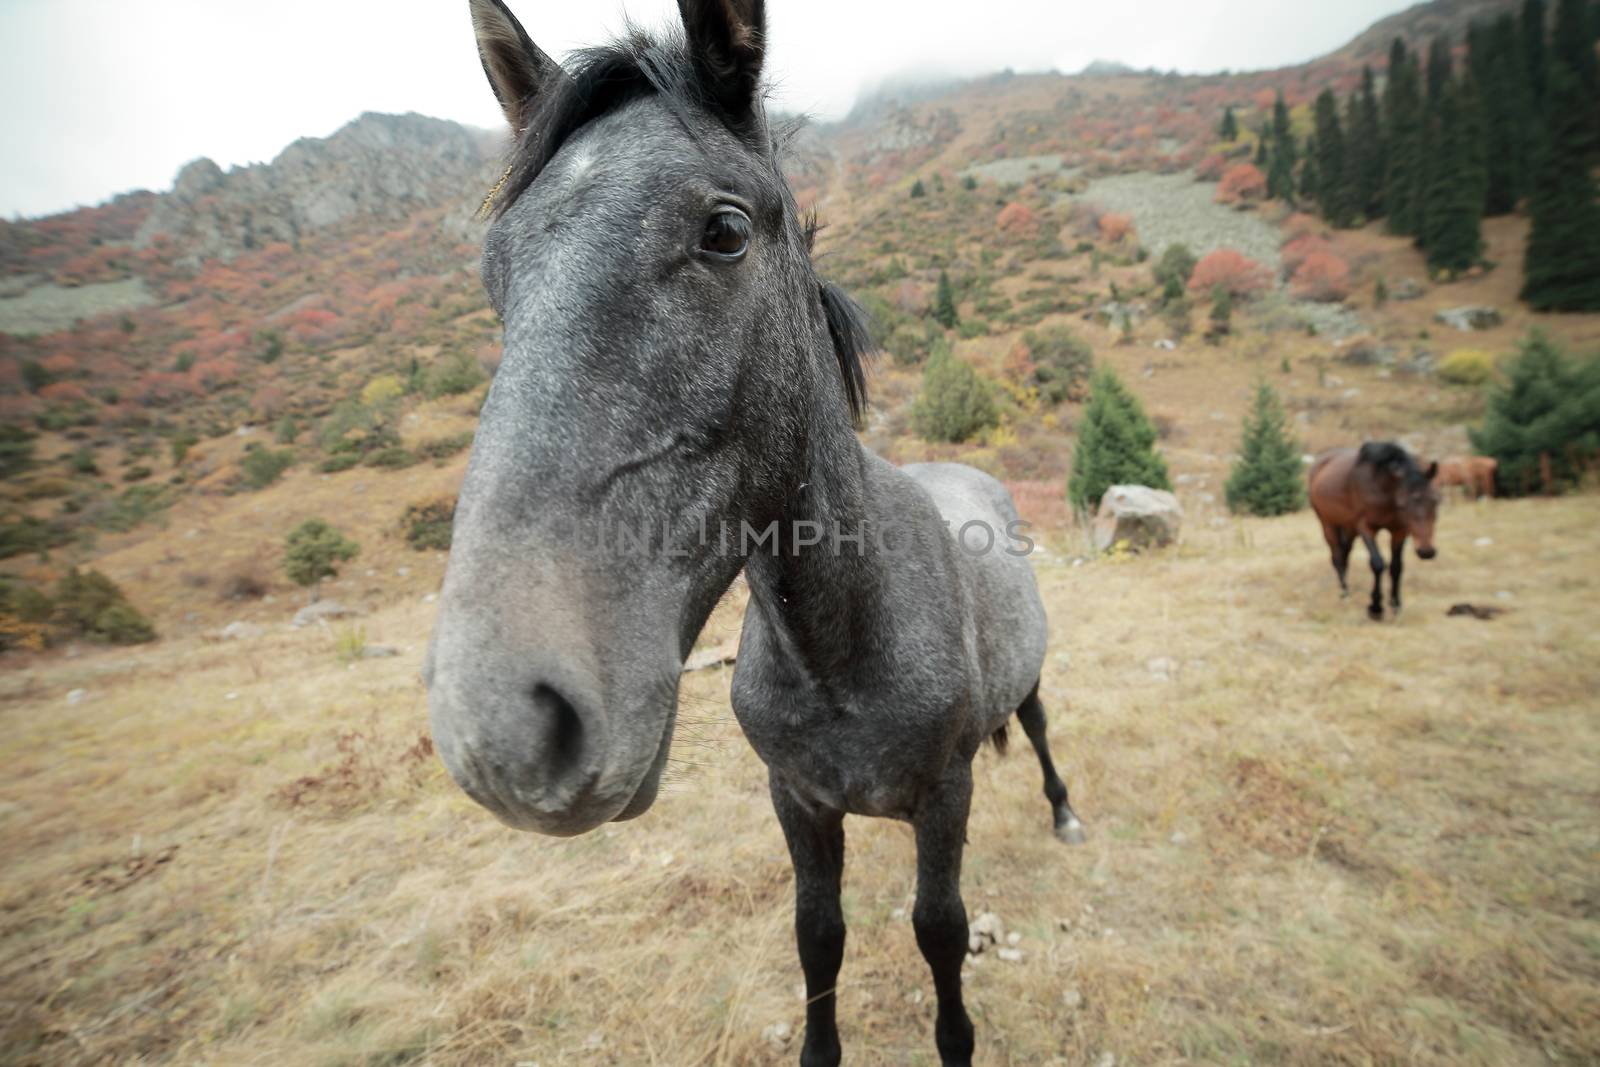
x: 1475, y: 474
x: 1356, y: 493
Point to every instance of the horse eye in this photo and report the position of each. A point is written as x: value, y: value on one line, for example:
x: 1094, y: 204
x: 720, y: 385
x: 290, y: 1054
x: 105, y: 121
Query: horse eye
x: 727, y: 234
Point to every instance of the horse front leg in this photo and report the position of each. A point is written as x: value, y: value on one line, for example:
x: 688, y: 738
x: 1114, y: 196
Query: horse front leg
x: 816, y: 847
x: 1397, y: 554
x: 940, y: 917
x: 1375, y: 609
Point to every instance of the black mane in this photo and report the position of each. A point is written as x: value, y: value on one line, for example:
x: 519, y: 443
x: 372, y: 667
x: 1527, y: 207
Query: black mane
x: 1386, y: 455
x: 601, y: 79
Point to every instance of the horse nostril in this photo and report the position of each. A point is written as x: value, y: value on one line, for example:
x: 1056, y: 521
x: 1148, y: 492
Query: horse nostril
x: 1427, y: 553
x: 563, y: 727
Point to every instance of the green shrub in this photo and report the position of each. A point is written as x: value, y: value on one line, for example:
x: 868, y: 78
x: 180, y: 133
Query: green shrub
x: 137, y: 473
x: 944, y: 303
x: 1173, y: 269
x: 1467, y: 366
x: 135, y: 505
x: 27, y: 534
x: 955, y: 403
x: 1543, y: 421
x: 442, y: 448
x: 89, y: 604
x: 1267, y: 478
x: 341, y: 462
x: 16, y: 449
x: 918, y: 190
x: 313, y: 551
x: 83, y: 462
x: 287, y: 430
x: 458, y: 374
x: 180, y: 445
x: 1116, y: 444
x: 1062, y: 363
x: 392, y: 458
x: 263, y: 466
x: 427, y: 525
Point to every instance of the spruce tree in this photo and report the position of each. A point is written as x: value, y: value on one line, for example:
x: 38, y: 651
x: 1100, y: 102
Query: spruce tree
x: 1451, y: 235
x: 1573, y: 47
x: 1368, y: 133
x: 1333, y: 193
x: 1561, y: 268
x: 1267, y: 478
x: 1355, y: 160
x: 1229, y: 129
x: 1310, y: 180
x: 1280, y: 165
x: 1533, y: 50
x: 1507, y: 114
x: 1439, y: 71
x: 1402, y: 116
x: 1116, y: 444
x: 944, y: 303
x: 1543, y: 423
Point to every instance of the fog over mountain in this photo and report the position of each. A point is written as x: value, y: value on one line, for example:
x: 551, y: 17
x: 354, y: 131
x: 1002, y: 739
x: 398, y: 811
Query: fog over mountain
x: 115, y: 97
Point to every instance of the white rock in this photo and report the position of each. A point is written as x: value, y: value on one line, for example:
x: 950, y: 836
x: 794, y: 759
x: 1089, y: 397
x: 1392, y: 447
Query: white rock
x: 1179, y: 838
x: 239, y: 630
x: 986, y: 929
x: 1072, y: 998
x: 1106, y: 1059
x: 1013, y: 939
x: 1484, y: 542
x: 1162, y: 668
x: 1010, y: 955
x: 778, y: 1034
x: 76, y: 697
x: 1137, y: 515
x: 320, y: 611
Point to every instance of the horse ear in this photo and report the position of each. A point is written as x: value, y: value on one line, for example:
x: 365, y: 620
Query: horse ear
x: 728, y: 40
x: 518, y: 71
x: 1433, y: 470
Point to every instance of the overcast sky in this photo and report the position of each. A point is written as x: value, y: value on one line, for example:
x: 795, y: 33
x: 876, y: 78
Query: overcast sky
x: 102, y: 96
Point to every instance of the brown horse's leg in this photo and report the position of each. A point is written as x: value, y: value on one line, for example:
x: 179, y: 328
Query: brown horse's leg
x: 1397, y: 555
x: 1370, y: 539
x: 1339, y: 541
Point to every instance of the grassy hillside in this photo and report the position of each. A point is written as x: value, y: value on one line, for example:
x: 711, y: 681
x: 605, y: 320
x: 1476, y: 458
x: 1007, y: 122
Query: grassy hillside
x: 1312, y: 840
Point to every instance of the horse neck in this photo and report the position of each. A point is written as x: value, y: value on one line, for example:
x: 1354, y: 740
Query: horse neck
x: 821, y: 600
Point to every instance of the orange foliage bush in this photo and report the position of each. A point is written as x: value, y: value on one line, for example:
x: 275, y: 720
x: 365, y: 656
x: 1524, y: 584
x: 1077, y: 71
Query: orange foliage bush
x: 1211, y: 168
x: 1017, y: 217
x: 1323, y: 276
x: 1231, y: 269
x: 1301, y: 225
x: 1300, y: 249
x: 1243, y: 182
x: 1114, y: 227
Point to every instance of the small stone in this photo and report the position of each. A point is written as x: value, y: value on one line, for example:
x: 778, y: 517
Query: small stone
x: 1010, y: 955
x: 1162, y: 668
x: 594, y: 1041
x: 1071, y: 998
x: 1504, y: 594
x: 402, y: 572
x: 778, y: 1034
x: 898, y: 915
x: 1179, y: 838
x: 429, y: 598
x: 666, y: 859
x: 1106, y: 1060
x: 239, y: 630
x: 985, y: 930
x: 230, y: 696
x: 76, y: 697
x: 1484, y: 542
x: 1013, y: 939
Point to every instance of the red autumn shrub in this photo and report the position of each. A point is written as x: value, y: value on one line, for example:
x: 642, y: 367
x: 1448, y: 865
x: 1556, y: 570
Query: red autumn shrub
x: 1301, y: 225
x: 1114, y: 227
x: 1211, y: 168
x: 1323, y: 277
x: 1301, y: 249
x: 1017, y: 217
x: 1242, y: 183
x: 1232, y: 270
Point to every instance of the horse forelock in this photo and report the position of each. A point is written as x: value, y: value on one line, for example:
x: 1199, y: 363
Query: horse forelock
x: 1386, y: 455
x: 600, y: 80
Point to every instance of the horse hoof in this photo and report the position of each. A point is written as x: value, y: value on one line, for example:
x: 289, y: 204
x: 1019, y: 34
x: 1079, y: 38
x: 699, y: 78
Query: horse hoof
x: 1375, y: 614
x: 1071, y: 832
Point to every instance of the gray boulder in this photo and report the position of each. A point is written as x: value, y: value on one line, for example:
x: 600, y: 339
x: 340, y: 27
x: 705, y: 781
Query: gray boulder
x: 321, y: 611
x: 1467, y: 319
x: 1138, y: 516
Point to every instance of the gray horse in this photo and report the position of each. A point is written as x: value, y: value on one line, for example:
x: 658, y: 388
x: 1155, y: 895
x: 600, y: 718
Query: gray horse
x: 677, y: 401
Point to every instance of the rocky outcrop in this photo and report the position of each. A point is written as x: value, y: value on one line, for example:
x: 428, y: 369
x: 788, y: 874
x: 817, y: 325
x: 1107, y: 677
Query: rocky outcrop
x: 1468, y: 319
x: 1137, y: 516
x: 380, y: 166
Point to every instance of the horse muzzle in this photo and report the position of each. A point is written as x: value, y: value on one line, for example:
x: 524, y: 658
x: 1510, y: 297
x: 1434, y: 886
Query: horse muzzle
x: 1427, y: 553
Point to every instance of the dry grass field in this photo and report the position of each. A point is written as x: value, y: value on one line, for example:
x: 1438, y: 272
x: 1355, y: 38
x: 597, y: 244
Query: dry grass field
x: 1313, y: 840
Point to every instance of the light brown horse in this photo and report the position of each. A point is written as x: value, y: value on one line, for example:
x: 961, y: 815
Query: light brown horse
x: 1475, y: 474
x: 1357, y: 493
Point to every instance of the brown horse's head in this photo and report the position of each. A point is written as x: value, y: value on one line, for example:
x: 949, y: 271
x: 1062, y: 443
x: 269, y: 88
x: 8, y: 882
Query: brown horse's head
x: 1418, y: 502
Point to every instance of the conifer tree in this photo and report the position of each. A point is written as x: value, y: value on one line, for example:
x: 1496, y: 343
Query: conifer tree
x: 1507, y: 115
x: 1368, y: 134
x: 1543, y: 424
x: 1116, y: 444
x: 1439, y: 71
x: 1451, y: 234
x: 944, y: 303
x: 1332, y: 191
x: 1267, y: 478
x: 1402, y: 108
x: 1573, y: 46
x: 1280, y: 166
x: 1310, y: 180
x: 1533, y: 49
x: 1561, y: 270
x: 1229, y: 130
